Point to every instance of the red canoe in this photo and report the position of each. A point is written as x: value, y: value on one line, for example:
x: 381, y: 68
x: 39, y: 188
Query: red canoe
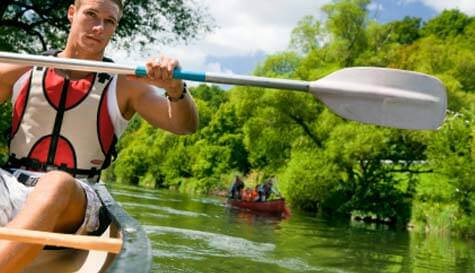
x: 272, y: 206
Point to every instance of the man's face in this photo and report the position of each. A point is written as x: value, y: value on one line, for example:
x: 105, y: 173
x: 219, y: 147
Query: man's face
x: 93, y: 23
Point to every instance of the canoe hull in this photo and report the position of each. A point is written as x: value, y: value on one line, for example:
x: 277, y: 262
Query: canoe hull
x: 135, y: 255
x: 271, y: 207
x: 74, y: 260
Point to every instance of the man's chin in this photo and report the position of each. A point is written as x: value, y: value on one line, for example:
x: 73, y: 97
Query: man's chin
x: 92, y: 48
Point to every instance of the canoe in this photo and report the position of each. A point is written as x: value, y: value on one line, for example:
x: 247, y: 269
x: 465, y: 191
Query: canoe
x: 135, y: 255
x: 272, y: 207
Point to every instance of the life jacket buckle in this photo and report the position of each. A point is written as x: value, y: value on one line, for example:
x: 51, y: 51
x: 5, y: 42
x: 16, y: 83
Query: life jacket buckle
x: 49, y: 168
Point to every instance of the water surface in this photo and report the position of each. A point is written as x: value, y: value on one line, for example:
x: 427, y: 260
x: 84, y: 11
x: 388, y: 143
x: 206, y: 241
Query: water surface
x: 201, y: 234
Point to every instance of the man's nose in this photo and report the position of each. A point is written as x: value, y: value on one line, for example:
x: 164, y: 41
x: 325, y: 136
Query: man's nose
x: 98, y: 26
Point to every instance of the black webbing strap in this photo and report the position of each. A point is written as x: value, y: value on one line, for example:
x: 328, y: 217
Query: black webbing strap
x: 35, y: 165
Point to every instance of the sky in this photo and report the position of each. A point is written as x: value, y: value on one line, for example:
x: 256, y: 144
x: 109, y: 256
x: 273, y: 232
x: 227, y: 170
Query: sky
x: 249, y: 30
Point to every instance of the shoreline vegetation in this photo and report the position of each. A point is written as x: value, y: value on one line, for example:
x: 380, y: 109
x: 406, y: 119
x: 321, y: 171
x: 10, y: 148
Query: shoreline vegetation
x: 325, y: 165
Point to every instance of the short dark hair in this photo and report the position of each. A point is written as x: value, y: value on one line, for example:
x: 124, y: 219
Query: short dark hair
x: 77, y: 3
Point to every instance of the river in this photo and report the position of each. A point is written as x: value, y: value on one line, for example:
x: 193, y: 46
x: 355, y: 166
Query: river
x: 200, y: 234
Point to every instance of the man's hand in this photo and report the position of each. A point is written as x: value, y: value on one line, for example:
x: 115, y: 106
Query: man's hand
x: 160, y: 74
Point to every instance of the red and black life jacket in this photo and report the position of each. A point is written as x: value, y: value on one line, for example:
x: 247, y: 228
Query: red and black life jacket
x: 62, y: 124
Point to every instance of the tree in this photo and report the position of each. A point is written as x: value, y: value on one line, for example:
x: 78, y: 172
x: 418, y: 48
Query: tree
x: 225, y: 130
x: 448, y: 23
x: 281, y: 65
x: 405, y: 31
x: 275, y: 119
x: 307, y: 35
x: 346, y: 22
x: 309, y: 178
x: 452, y: 152
x: 37, y: 25
x: 213, y: 95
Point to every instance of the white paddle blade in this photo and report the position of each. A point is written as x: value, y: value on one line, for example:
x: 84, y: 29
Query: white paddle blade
x: 383, y: 96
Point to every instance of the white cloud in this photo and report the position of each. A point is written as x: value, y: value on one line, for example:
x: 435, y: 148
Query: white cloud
x: 249, y: 26
x: 216, y: 67
x: 245, y: 27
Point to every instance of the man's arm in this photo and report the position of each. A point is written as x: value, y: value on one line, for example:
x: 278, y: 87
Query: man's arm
x: 178, y: 115
x: 9, y: 74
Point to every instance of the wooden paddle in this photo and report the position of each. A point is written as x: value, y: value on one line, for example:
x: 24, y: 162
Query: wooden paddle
x: 61, y: 240
x: 382, y: 96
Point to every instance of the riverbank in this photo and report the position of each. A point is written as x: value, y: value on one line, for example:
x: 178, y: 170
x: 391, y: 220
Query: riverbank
x: 427, y: 217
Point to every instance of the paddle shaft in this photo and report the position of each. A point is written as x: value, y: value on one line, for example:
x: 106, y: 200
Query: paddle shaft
x: 61, y: 240
x: 387, y: 97
x: 113, y: 68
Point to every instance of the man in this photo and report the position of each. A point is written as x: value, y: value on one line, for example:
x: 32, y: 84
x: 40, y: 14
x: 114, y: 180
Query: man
x: 265, y: 190
x: 64, y: 126
x: 236, y: 189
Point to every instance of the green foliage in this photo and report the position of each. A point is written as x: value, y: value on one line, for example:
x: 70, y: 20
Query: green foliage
x: 346, y: 22
x: 279, y: 65
x: 212, y: 95
x: 307, y: 35
x: 5, y: 124
x: 452, y: 154
x: 447, y: 24
x: 226, y: 131
x: 308, y: 179
x: 405, y: 31
x: 372, y: 160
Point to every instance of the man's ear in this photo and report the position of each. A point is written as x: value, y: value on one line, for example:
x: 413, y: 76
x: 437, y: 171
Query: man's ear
x: 71, y: 12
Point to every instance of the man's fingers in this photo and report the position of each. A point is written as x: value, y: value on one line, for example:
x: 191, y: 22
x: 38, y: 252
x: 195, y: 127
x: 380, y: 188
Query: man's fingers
x: 165, y: 73
x: 149, y: 66
x: 160, y: 73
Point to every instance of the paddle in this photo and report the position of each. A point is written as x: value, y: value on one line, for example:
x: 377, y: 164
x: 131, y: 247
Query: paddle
x: 61, y: 240
x: 382, y: 96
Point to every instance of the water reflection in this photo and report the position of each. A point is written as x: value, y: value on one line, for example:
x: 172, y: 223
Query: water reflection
x: 236, y: 215
x: 200, y: 234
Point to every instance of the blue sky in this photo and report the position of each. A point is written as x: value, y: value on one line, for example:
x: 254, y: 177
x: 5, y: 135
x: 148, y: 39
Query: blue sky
x: 249, y: 30
x: 389, y: 10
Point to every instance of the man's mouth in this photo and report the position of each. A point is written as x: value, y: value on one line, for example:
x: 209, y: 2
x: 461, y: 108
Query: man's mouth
x: 98, y: 40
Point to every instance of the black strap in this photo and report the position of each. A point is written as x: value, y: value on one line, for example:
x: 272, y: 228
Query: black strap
x: 111, y: 154
x: 36, y: 165
x: 51, y: 52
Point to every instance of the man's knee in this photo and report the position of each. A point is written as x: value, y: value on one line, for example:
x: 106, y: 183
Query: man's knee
x: 67, y: 196
x: 57, y: 186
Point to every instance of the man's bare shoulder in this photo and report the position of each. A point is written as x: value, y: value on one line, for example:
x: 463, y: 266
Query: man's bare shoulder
x: 11, y: 72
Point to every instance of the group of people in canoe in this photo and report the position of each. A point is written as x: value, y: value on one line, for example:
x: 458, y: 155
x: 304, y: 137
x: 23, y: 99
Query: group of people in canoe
x: 260, y: 193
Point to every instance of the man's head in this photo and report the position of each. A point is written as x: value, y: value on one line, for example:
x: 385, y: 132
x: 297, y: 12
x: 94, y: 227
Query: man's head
x: 93, y: 22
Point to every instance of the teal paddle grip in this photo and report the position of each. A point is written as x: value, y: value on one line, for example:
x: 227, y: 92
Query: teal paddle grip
x: 141, y: 71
